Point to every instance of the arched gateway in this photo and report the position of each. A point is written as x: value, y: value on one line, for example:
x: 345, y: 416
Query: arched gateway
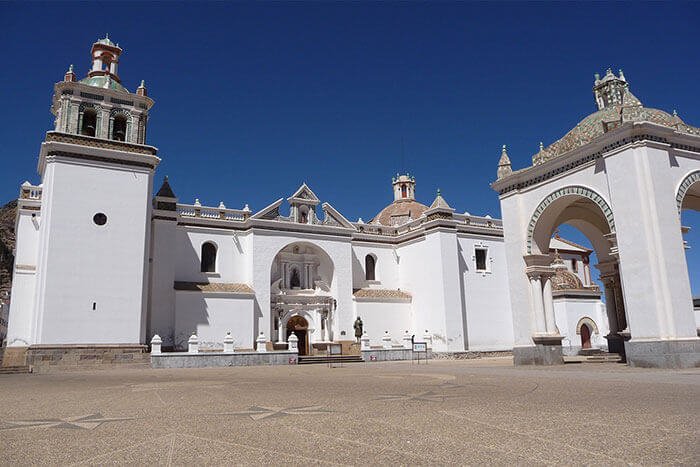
x: 621, y: 176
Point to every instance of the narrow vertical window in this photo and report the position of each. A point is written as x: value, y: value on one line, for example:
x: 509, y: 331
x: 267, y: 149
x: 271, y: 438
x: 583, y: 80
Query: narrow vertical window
x: 480, y: 258
x: 208, y: 257
x: 574, y: 265
x: 403, y: 191
x: 370, y: 264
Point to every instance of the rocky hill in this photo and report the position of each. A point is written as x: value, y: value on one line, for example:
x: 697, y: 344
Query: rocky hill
x: 7, y: 245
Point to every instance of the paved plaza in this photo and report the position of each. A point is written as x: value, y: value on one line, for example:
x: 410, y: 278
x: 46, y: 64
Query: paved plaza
x: 445, y: 412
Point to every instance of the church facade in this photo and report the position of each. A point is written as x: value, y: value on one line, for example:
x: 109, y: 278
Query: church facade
x: 100, y: 260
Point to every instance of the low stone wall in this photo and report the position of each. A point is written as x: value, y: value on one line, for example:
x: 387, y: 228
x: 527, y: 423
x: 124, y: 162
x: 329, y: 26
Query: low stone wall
x: 220, y: 359
x: 57, y: 358
x: 386, y: 355
x: 471, y: 355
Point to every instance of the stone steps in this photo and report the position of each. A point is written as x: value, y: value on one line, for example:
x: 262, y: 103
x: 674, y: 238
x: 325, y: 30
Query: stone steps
x: 315, y: 359
x: 596, y: 358
x: 13, y: 370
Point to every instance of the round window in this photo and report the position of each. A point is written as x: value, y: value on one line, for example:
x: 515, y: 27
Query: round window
x: 100, y: 218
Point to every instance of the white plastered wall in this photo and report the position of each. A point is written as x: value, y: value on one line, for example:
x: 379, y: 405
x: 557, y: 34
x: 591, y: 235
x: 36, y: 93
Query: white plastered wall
x: 569, y: 311
x: 488, y: 312
x: 22, y: 313
x: 211, y: 316
x: 379, y: 317
x: 81, y: 263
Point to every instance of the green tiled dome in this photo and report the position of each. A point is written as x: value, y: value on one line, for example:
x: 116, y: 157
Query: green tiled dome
x: 104, y: 82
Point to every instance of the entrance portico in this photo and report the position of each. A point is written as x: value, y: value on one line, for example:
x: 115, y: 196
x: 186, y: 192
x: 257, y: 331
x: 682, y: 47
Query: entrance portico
x: 615, y: 177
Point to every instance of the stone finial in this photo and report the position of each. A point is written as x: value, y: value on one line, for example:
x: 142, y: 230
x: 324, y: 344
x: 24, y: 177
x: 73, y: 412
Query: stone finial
x: 261, y: 342
x: 407, y: 341
x: 293, y: 342
x: 141, y: 90
x: 156, y: 344
x: 428, y: 338
x: 193, y: 343
x: 386, y: 340
x: 364, y: 341
x: 246, y: 208
x: 197, y: 203
x: 70, y: 74
x: 621, y: 75
x: 504, y: 166
x: 222, y: 205
x: 541, y: 146
x: 228, y: 343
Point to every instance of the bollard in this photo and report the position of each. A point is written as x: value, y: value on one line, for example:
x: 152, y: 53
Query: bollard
x: 293, y: 343
x: 261, y: 341
x: 386, y: 340
x: 428, y: 339
x: 155, y: 344
x: 407, y: 344
x: 364, y: 341
x: 228, y: 343
x: 193, y: 344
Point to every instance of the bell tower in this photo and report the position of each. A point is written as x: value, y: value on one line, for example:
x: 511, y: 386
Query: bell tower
x: 92, y: 214
x: 404, y: 187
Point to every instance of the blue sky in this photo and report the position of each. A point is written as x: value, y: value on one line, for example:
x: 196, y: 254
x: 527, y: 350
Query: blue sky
x: 252, y: 99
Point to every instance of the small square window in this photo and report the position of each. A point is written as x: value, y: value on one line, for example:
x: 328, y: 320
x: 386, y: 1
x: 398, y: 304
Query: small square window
x: 480, y: 255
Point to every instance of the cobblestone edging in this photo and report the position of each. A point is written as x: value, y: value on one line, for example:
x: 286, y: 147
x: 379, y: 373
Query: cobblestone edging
x: 470, y: 355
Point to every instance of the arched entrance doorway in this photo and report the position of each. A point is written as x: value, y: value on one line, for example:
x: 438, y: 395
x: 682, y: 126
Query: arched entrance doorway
x: 585, y: 337
x: 301, y: 284
x: 299, y: 326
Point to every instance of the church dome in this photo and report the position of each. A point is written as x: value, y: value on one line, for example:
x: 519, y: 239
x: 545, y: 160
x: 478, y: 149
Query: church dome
x: 104, y: 82
x: 616, y: 106
x: 399, y: 212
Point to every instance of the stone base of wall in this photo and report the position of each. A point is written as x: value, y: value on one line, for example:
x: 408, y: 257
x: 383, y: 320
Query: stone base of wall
x: 539, y: 354
x: 50, y: 358
x: 471, y: 354
x: 681, y: 353
x: 14, y: 356
x: 386, y: 355
x: 220, y: 359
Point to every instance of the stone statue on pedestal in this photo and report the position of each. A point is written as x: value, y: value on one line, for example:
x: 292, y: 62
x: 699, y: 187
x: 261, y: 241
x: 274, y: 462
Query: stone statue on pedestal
x: 358, y: 329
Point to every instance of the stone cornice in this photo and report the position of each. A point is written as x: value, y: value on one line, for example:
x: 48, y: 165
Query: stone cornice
x: 627, y: 134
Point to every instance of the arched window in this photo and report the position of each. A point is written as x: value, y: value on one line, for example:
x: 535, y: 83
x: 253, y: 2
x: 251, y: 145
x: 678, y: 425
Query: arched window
x: 208, y: 257
x: 119, y: 128
x: 403, y: 191
x: 89, y: 122
x: 370, y: 263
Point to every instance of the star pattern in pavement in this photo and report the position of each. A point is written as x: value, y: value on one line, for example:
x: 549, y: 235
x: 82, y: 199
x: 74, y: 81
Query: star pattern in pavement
x: 427, y: 396
x: 259, y: 413
x: 85, y: 422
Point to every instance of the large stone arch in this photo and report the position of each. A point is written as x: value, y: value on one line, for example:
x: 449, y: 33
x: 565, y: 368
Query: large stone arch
x: 576, y: 191
x: 685, y: 186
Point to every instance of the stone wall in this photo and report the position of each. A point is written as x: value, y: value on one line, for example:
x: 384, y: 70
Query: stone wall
x: 47, y: 358
x: 220, y: 359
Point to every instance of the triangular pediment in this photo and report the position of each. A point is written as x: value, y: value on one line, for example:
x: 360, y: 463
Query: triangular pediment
x: 303, y: 195
x: 333, y: 217
x: 271, y: 212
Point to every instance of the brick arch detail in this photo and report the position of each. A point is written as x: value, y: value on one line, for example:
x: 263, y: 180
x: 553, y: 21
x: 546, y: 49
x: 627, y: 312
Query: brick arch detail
x: 589, y: 322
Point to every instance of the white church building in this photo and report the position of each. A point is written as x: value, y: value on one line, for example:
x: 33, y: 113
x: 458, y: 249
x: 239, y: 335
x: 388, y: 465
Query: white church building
x: 101, y: 261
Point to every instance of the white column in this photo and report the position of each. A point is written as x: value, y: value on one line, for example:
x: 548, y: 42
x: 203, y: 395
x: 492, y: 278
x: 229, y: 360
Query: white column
x: 548, y: 300
x: 536, y: 288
